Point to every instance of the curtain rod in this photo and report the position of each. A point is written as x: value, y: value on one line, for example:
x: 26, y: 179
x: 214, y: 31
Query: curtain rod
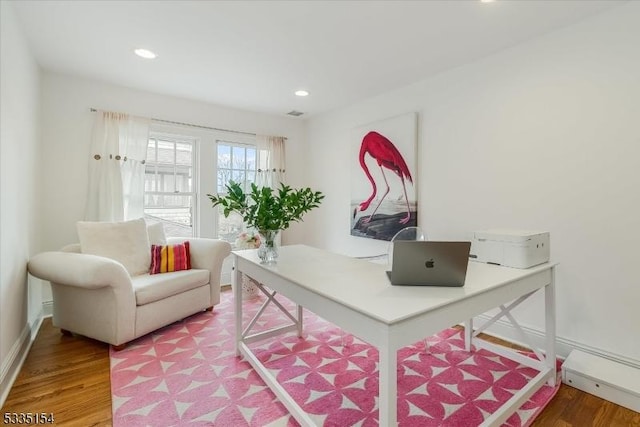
x: 93, y: 110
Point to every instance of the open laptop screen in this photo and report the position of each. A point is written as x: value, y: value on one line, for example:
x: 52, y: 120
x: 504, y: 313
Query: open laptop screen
x: 429, y: 263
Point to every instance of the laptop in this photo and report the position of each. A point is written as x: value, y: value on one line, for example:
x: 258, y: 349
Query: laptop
x: 425, y: 263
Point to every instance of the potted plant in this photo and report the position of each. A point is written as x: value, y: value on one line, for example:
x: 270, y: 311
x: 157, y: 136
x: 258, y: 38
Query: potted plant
x: 267, y: 210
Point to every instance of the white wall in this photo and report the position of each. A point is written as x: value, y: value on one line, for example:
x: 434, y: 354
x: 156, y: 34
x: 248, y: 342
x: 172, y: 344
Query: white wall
x: 19, y: 156
x: 544, y: 136
x: 67, y: 124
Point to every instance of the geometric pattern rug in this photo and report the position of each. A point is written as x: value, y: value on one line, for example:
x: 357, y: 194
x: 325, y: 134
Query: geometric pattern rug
x: 187, y: 374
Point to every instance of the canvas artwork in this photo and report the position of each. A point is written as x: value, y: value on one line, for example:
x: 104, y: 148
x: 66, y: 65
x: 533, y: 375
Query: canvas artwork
x: 383, y: 191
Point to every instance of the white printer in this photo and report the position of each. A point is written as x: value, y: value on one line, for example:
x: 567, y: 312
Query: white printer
x: 511, y: 248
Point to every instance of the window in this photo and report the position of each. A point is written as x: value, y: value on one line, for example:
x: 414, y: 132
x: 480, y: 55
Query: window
x: 235, y: 162
x: 170, y: 182
x: 186, y: 163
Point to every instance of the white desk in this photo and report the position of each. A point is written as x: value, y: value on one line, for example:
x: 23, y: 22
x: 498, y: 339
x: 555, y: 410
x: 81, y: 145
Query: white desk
x: 356, y: 296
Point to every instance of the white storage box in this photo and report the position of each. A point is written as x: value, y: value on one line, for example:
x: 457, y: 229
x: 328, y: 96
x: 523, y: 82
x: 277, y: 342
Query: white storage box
x: 511, y: 248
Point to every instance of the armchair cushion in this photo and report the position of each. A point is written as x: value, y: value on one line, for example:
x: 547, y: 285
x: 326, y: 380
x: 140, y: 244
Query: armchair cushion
x: 170, y: 258
x: 126, y: 242
x: 149, y: 288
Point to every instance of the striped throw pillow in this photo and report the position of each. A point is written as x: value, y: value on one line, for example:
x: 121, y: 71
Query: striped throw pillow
x: 166, y: 258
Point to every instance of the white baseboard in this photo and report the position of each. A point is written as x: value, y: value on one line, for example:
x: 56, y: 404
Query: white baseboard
x: 47, y: 308
x: 11, y: 365
x: 15, y: 359
x: 505, y: 330
x: 604, y: 378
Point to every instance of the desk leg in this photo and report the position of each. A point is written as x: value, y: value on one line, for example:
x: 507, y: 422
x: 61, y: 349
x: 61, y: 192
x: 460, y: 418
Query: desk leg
x: 388, y: 387
x: 468, y: 334
x: 236, y: 286
x: 299, y: 307
x: 550, y: 325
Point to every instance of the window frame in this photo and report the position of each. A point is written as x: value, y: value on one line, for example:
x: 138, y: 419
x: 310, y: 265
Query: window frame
x: 206, y: 173
x: 205, y: 168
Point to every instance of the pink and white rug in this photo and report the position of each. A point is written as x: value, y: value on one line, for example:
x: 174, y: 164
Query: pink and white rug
x: 187, y: 375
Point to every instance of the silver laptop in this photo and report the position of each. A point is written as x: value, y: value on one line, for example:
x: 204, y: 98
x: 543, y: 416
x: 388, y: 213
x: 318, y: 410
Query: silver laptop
x: 425, y: 263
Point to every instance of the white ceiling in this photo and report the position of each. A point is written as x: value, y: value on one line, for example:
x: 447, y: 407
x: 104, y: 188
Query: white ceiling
x: 254, y: 54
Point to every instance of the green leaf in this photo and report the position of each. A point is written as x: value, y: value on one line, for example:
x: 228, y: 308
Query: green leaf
x: 264, y: 210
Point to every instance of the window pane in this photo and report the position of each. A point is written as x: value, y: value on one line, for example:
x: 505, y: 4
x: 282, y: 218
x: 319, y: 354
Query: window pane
x: 150, y: 180
x: 168, y: 183
x: 251, y: 179
x: 229, y: 227
x: 165, y: 152
x: 180, y: 201
x: 151, y: 151
x: 172, y: 229
x: 184, y: 154
x: 238, y: 158
x: 224, y: 175
x: 176, y: 222
x: 183, y: 179
x: 151, y: 201
x: 224, y: 156
x: 251, y: 159
x: 238, y: 177
x: 182, y: 182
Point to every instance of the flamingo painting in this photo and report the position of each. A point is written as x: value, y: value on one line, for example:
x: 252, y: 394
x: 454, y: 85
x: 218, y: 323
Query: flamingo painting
x: 388, y: 157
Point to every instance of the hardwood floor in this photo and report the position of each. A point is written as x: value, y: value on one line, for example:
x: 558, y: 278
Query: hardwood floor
x: 69, y: 377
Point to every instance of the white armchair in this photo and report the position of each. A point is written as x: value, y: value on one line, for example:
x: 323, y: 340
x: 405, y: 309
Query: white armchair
x: 95, y: 296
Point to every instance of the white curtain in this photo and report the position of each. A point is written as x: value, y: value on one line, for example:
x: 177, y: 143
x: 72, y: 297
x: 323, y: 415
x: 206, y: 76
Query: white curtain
x: 271, y: 161
x: 116, y: 168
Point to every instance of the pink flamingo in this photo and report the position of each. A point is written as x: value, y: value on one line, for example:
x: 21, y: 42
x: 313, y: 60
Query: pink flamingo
x: 387, y: 155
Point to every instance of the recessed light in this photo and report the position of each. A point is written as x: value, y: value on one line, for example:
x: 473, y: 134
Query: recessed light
x: 302, y: 93
x: 486, y: 1
x: 144, y: 53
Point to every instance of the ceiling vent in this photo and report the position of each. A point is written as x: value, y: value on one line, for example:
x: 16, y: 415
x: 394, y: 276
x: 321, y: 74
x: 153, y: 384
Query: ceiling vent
x: 295, y: 113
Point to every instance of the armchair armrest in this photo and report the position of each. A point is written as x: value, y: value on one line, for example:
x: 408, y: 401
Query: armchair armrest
x: 81, y: 270
x: 92, y: 295
x: 207, y: 254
